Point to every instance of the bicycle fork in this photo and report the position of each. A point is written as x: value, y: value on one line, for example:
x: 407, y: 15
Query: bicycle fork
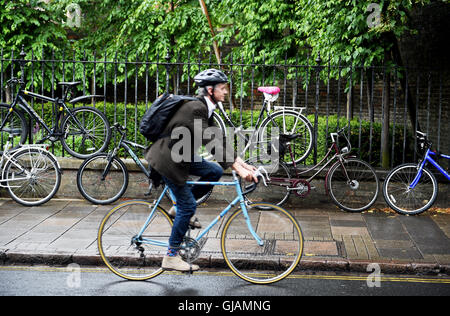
x: 241, y: 199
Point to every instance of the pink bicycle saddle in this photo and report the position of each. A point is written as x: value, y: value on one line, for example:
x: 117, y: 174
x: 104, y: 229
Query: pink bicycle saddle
x: 269, y: 90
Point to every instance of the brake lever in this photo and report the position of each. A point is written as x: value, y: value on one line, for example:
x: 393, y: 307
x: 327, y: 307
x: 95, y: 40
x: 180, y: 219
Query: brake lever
x: 259, y: 174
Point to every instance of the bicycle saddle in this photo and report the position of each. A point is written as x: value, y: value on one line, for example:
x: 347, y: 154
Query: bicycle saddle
x: 288, y: 137
x: 69, y: 84
x: 269, y: 90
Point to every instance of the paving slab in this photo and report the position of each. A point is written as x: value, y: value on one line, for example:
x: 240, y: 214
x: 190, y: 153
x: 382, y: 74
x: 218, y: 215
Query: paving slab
x: 65, y: 231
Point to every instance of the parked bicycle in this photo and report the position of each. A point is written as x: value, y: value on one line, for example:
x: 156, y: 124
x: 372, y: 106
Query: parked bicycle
x: 260, y: 247
x: 31, y: 174
x: 83, y: 131
x: 351, y: 183
x: 294, y: 129
x: 412, y: 188
x: 103, y: 178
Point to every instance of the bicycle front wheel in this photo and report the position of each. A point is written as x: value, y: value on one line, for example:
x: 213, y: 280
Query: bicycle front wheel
x: 353, y: 185
x: 102, y: 179
x: 404, y: 200
x: 32, y: 176
x: 126, y: 254
x: 12, y: 123
x: 86, y: 132
x: 297, y: 132
x: 278, y: 254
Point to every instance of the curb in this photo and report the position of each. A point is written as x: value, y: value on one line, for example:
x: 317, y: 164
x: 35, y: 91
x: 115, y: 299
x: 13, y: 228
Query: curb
x: 213, y: 261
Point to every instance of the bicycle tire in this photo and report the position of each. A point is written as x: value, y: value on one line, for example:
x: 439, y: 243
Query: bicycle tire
x: 276, y: 191
x: 72, y: 135
x: 108, y: 190
x: 276, y: 258
x: 404, y: 201
x: 116, y: 245
x: 21, y: 129
x: 302, y: 144
x: 202, y: 152
x: 358, y: 195
x: 219, y: 122
x: 44, y: 181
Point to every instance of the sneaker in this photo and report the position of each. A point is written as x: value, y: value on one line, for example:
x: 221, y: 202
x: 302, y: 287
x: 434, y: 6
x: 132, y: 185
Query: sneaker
x: 194, y: 222
x: 177, y: 264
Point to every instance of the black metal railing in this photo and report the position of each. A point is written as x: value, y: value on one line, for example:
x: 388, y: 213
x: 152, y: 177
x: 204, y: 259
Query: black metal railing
x: 382, y: 106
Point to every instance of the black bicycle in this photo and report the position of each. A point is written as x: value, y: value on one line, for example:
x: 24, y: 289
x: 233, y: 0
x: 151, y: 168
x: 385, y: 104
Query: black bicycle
x: 103, y: 178
x: 83, y: 131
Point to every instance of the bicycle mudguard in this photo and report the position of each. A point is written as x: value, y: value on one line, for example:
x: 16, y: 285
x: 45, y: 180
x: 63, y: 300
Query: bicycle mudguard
x: 85, y: 97
x: 43, y: 146
x: 327, y: 190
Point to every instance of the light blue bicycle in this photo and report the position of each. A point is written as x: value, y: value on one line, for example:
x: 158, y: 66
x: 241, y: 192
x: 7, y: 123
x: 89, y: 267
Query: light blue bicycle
x: 261, y: 243
x: 411, y: 188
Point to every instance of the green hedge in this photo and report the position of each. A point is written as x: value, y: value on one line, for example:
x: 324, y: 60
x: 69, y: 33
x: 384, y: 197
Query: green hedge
x: 330, y: 125
x: 116, y: 113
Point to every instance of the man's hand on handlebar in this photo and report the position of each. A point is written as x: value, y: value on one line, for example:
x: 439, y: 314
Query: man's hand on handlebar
x: 244, y: 170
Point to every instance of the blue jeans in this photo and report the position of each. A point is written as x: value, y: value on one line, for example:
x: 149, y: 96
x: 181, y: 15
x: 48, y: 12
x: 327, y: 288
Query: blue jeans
x: 186, y: 196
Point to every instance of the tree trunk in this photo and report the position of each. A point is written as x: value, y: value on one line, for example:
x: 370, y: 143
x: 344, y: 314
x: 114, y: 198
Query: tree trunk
x: 397, y: 58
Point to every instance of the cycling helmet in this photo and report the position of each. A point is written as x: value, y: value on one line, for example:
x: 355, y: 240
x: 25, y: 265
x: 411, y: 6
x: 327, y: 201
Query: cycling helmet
x: 210, y: 77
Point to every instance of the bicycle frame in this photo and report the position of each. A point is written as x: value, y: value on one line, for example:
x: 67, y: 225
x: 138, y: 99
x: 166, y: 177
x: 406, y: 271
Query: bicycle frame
x: 127, y: 145
x: 337, y: 157
x: 239, y: 199
x: 421, y: 165
x: 60, y: 104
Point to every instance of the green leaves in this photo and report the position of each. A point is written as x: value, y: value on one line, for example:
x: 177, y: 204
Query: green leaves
x: 30, y: 23
x: 269, y: 32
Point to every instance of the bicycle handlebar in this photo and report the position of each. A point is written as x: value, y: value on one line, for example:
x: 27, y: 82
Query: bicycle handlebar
x: 14, y: 81
x: 119, y: 127
x: 341, y: 132
x: 261, y: 177
x: 423, y: 141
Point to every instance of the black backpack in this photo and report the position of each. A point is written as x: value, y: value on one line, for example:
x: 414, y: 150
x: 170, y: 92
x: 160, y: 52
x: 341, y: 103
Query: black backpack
x: 158, y: 115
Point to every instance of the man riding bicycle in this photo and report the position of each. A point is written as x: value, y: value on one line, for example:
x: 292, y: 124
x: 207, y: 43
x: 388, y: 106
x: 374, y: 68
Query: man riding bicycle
x: 196, y: 117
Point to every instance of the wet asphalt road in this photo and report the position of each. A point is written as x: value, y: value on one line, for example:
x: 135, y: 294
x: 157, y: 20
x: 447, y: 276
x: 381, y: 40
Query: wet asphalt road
x: 83, y: 281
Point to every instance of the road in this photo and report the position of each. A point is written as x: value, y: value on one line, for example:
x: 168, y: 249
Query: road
x: 83, y: 281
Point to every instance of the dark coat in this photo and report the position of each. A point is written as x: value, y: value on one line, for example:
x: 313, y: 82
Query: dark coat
x: 191, y: 118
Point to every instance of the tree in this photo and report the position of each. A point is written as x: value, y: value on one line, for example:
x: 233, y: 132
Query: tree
x: 32, y: 23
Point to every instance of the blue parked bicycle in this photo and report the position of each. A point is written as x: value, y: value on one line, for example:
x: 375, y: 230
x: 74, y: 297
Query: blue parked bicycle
x: 261, y: 243
x: 411, y: 188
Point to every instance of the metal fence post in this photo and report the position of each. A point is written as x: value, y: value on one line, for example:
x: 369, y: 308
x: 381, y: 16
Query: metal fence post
x: 316, y: 112
x: 167, y: 65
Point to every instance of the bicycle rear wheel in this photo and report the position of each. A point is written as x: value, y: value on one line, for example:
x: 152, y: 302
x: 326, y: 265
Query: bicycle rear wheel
x: 353, y: 185
x: 276, y: 192
x: 297, y: 131
x: 405, y: 200
x: 125, y: 254
x: 15, y: 124
x: 86, y: 133
x: 32, y: 176
x: 280, y: 252
x: 102, y: 180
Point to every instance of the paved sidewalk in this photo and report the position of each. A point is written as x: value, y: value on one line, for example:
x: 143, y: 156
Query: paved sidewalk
x: 63, y: 232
